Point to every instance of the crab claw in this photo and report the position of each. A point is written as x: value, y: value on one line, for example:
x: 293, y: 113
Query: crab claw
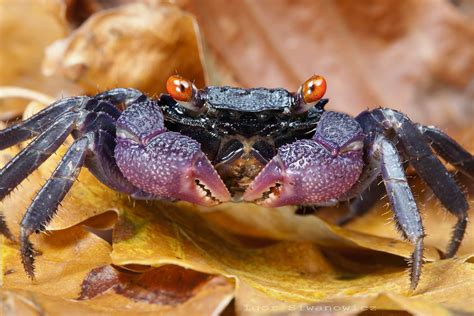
x: 172, y: 167
x: 169, y: 165
x: 206, y: 187
x: 312, y: 171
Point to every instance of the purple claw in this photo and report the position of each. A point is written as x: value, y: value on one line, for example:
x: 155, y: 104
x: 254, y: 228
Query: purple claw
x: 166, y: 164
x: 312, y: 171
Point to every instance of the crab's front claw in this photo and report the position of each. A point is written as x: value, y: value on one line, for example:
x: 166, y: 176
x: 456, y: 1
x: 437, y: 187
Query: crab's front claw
x: 202, y: 184
x: 171, y: 166
x: 312, y: 171
x: 167, y: 164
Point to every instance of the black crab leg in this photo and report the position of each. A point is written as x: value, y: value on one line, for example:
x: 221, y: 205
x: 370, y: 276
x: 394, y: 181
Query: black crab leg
x: 428, y: 166
x: 4, y: 230
x: 126, y: 96
x: 42, y: 120
x: 38, y: 123
x: 53, y: 124
x: 407, y: 216
x: 45, y: 203
x: 362, y: 203
x: 33, y: 155
x: 306, y: 210
x: 101, y: 161
x: 449, y: 149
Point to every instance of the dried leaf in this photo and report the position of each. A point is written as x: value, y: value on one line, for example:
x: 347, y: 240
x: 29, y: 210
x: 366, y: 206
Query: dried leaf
x: 135, y: 46
x: 74, y: 265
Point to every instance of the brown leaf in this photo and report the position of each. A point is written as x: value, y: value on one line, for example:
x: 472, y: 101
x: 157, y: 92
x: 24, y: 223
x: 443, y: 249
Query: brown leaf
x: 167, y: 285
x: 75, y: 264
x: 135, y: 46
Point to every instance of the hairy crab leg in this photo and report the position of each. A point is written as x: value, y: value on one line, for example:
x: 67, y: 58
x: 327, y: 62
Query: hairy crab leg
x: 35, y: 154
x: 362, y: 203
x: 402, y: 201
x: 44, y: 205
x: 427, y: 165
x: 449, y: 149
x: 4, y: 230
x: 38, y: 123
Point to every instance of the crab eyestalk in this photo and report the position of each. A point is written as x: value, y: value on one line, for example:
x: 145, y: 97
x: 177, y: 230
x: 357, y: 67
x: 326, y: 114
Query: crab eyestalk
x: 184, y: 92
x: 309, y: 94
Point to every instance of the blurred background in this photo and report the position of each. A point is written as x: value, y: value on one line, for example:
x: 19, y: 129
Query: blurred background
x: 413, y: 55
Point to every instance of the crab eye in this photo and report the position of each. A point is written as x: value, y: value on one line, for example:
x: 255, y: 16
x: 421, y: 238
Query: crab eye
x: 313, y: 89
x: 185, y: 93
x: 179, y: 88
x: 309, y: 94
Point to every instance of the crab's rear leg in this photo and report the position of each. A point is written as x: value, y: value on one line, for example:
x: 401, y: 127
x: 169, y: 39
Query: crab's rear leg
x: 38, y: 123
x: 95, y: 149
x: 449, y: 149
x: 45, y: 203
x: 427, y: 165
x: 401, y: 199
x: 32, y: 156
x: 53, y: 124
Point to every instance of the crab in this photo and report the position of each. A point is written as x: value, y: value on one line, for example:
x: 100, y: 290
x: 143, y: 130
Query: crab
x: 219, y: 144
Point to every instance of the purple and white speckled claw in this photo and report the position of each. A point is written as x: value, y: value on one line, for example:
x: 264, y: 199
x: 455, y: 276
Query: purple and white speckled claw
x: 312, y: 171
x: 166, y: 164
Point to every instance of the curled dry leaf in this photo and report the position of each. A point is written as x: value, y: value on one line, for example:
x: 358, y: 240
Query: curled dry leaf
x: 137, y: 46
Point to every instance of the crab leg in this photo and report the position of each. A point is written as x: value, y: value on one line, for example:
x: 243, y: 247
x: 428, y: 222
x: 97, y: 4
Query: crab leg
x: 45, y: 203
x: 122, y: 95
x: 4, y: 230
x: 402, y: 201
x: 36, y: 124
x: 35, y: 154
x: 426, y: 164
x: 101, y: 160
x: 449, y: 149
x: 42, y: 120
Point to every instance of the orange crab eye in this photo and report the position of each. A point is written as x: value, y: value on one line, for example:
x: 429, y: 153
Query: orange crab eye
x: 179, y: 88
x: 313, y: 89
